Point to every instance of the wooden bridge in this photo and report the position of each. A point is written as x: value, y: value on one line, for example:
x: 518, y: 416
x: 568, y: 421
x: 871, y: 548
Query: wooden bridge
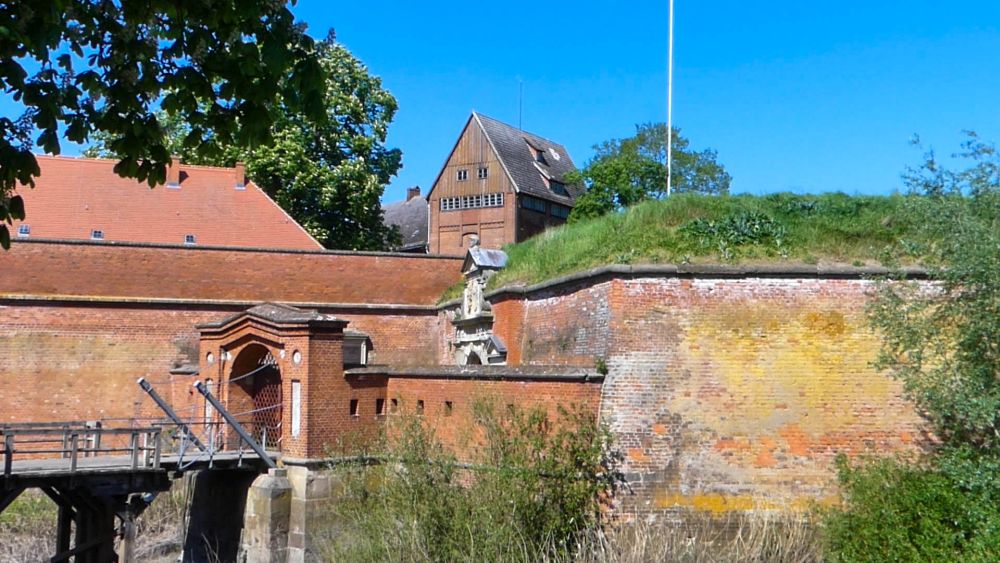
x: 101, y: 478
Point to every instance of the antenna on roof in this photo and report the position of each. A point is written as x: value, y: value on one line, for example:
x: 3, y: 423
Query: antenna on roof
x: 520, y: 102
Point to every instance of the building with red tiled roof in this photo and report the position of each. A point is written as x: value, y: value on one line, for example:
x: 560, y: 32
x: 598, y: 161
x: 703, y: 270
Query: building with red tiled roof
x: 84, y: 199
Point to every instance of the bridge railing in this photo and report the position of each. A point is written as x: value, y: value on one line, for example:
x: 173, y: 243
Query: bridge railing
x: 140, y: 448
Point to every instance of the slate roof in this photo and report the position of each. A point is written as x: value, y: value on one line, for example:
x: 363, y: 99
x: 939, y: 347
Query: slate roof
x: 411, y: 217
x: 277, y: 313
x: 516, y: 150
x: 75, y: 196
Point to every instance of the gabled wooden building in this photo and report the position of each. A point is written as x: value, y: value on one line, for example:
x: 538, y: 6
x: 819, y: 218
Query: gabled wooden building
x: 499, y: 183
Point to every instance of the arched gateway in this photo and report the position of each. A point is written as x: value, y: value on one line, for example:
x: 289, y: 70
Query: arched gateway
x: 254, y: 388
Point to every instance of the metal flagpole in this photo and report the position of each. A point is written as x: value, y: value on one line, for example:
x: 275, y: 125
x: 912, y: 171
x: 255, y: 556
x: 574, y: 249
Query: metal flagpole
x: 670, y: 93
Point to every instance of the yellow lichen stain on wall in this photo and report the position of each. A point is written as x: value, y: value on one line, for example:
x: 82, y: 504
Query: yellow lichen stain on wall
x: 720, y: 504
x: 780, y: 366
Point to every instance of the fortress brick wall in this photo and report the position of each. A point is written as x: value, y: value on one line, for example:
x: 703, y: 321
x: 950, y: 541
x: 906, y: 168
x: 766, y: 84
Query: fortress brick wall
x: 79, y: 322
x: 725, y: 390
x: 449, y: 403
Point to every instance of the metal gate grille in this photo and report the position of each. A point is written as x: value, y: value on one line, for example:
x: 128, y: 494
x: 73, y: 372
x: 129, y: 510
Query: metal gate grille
x: 258, y: 404
x: 266, y: 419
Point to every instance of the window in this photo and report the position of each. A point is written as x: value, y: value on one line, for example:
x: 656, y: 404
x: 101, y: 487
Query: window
x: 394, y: 405
x: 97, y: 234
x: 560, y: 211
x: 471, y: 202
x: 189, y: 239
x: 210, y: 386
x: 534, y: 204
x: 484, y: 172
x: 540, y: 156
x: 448, y: 408
x: 379, y: 407
x: 23, y: 230
x: 296, y: 408
x: 420, y: 406
x: 354, y: 407
x: 462, y: 174
x: 558, y: 187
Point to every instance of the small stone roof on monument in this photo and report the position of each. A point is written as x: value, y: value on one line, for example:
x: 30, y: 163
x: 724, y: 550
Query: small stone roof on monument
x: 484, y: 258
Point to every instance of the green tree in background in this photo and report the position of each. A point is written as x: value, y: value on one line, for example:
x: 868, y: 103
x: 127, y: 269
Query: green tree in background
x: 82, y: 66
x: 328, y: 175
x: 624, y: 172
x: 942, y: 341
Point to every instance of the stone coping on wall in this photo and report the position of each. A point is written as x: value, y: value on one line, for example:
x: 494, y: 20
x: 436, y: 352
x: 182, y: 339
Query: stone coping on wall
x: 235, y: 304
x: 569, y: 374
x: 194, y: 247
x: 708, y: 271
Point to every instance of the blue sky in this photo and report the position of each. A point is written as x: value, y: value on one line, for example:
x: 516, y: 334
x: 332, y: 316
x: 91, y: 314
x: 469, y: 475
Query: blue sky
x: 800, y: 96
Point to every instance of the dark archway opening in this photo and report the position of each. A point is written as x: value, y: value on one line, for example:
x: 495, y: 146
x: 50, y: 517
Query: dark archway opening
x: 255, y: 395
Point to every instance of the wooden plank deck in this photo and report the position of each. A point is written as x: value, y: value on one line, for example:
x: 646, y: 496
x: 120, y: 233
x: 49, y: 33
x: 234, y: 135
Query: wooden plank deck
x: 59, y: 467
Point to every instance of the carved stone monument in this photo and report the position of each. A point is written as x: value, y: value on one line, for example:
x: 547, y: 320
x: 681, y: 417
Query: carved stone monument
x: 475, y: 342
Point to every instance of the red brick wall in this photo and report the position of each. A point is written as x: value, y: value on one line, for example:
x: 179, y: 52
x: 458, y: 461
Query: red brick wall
x: 79, y: 323
x: 206, y: 274
x: 455, y: 430
x: 724, y: 393
x: 568, y: 326
x: 72, y: 361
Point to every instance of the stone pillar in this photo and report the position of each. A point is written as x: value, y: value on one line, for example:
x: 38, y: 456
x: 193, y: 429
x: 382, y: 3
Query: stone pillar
x: 214, y: 525
x: 310, y: 492
x: 265, y: 524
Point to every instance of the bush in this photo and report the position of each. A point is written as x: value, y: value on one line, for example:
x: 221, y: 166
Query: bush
x: 536, y: 485
x: 899, y: 511
x: 728, y: 236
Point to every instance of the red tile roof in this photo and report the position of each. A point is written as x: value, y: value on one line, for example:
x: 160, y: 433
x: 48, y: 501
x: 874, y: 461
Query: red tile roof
x: 75, y: 196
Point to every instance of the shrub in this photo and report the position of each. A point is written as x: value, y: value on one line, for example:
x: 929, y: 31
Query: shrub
x: 900, y: 511
x: 728, y: 236
x: 535, y: 485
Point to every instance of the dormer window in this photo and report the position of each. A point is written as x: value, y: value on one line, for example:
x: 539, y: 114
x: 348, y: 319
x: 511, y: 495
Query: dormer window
x: 462, y: 175
x: 558, y: 188
x: 540, y: 156
x: 97, y: 234
x: 190, y: 239
x: 23, y: 230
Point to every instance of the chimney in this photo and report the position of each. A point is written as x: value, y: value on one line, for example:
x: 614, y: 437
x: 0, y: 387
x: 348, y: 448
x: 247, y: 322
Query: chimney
x: 412, y: 192
x: 241, y: 175
x: 174, y: 172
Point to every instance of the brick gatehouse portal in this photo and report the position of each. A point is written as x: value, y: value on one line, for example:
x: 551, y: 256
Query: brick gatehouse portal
x: 281, y: 370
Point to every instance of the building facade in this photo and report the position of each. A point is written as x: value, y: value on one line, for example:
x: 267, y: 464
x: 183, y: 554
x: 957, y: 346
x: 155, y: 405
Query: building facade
x: 500, y: 184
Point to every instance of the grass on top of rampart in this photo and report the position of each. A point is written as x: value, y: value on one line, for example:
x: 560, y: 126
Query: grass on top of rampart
x: 696, y: 229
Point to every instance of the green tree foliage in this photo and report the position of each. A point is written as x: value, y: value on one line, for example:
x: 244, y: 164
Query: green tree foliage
x: 533, y: 485
x: 900, y: 511
x: 624, y: 172
x: 944, y: 344
x: 328, y: 175
x: 942, y: 341
x: 80, y: 66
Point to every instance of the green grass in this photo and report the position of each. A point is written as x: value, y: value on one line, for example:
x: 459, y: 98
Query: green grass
x: 853, y: 230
